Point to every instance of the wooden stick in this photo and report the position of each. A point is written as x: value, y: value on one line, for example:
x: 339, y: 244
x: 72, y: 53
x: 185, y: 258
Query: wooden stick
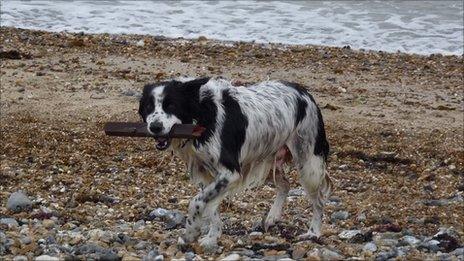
x: 139, y: 129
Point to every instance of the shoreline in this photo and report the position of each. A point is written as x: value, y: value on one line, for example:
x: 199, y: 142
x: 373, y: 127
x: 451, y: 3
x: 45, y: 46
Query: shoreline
x: 229, y: 43
x: 394, y: 124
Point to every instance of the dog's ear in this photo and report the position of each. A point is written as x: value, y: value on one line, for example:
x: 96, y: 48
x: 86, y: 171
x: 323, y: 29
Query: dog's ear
x: 193, y: 86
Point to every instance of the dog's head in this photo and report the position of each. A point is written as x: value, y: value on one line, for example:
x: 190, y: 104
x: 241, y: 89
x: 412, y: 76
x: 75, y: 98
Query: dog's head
x: 167, y: 103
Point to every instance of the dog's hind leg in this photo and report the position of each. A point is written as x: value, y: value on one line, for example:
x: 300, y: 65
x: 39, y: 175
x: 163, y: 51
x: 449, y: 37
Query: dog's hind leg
x: 282, y: 188
x: 315, y: 181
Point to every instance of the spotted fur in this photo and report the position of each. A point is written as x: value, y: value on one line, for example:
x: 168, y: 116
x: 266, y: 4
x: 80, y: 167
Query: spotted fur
x: 249, y: 132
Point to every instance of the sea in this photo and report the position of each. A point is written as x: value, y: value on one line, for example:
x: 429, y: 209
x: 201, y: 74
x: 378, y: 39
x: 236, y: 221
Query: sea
x: 420, y: 27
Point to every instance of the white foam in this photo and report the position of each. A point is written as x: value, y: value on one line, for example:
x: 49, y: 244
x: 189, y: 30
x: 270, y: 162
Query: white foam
x: 422, y: 27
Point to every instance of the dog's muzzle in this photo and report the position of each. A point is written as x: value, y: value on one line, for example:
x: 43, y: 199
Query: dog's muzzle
x: 162, y: 143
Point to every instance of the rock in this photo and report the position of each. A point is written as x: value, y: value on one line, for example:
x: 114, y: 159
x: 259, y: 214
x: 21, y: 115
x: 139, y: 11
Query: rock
x: 458, y: 252
x: 109, y: 256
x: 25, y: 240
x: 298, y: 192
x: 140, y: 43
x: 10, y: 222
x: 409, y: 240
x: 370, y: 247
x: 129, y: 93
x: 448, y: 239
x: 339, y: 215
x: 46, y: 258
x: 343, y: 167
x: 20, y: 258
x: 141, y: 245
x: 150, y: 255
x: 174, y: 219
x: 348, y: 234
x: 231, y: 257
x: 383, y: 256
x: 361, y: 217
x: 189, y: 256
x: 48, y: 223
x: 430, y: 245
x: 21, y: 89
x: 158, y: 213
x: 299, y: 252
x: 327, y: 254
x: 18, y: 202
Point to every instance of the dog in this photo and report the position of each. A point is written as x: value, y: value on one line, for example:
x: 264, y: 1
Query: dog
x: 249, y: 133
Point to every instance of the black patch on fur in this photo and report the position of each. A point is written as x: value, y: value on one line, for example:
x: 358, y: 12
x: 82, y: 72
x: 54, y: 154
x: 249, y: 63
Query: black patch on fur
x: 233, y: 132
x: 146, y: 103
x: 180, y: 97
x: 206, y: 116
x: 221, y: 184
x: 300, y: 113
x: 321, y: 147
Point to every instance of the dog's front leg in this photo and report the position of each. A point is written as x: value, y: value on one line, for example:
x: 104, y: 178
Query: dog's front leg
x: 205, y: 203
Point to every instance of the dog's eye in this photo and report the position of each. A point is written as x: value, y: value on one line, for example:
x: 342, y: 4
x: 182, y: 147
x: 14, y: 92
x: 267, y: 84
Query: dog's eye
x: 168, y: 106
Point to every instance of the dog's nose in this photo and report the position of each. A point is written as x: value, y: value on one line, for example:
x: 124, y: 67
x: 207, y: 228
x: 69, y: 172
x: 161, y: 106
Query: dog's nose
x: 156, y: 127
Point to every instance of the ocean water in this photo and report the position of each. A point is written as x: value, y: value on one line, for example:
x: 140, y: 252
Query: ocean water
x: 422, y: 27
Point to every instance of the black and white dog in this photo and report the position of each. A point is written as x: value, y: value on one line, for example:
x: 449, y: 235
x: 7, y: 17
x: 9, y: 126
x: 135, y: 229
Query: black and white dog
x: 249, y: 133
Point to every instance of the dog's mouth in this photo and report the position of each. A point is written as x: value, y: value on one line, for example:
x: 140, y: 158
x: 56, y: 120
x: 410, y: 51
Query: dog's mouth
x: 162, y: 143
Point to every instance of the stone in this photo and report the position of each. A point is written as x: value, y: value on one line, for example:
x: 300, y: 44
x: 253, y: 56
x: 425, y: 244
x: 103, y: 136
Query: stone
x: 343, y: 167
x: 174, y: 219
x: 189, y: 256
x: 129, y: 93
x: 18, y: 202
x: 430, y: 245
x: 348, y: 234
x: 327, y: 254
x: 48, y: 223
x: 361, y: 217
x: 409, y: 240
x: 10, y: 222
x: 141, y: 245
x: 152, y: 254
x: 25, y: 240
x: 339, y: 215
x: 231, y: 257
x: 109, y: 256
x: 385, y: 255
x: 20, y: 258
x: 298, y: 192
x: 370, y: 247
x: 46, y: 258
x: 299, y: 252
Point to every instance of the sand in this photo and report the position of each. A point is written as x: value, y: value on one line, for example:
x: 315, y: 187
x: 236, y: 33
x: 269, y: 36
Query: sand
x: 394, y: 123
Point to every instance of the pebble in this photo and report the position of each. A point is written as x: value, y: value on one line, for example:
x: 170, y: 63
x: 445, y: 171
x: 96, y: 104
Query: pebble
x: 410, y: 240
x: 327, y: 254
x: 48, y: 223
x: 343, y: 167
x: 20, y: 258
x: 370, y: 247
x: 348, y: 234
x: 298, y: 192
x: 129, y: 93
x: 46, y: 258
x: 189, y: 256
x: 361, y: 217
x: 18, y: 201
x: 339, y: 215
x: 10, y: 222
x: 152, y: 254
x: 231, y: 257
x: 385, y: 255
x: 430, y: 245
x: 25, y: 240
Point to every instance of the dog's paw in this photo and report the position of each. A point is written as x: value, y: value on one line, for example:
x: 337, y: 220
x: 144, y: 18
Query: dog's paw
x: 270, y: 222
x: 209, y: 244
